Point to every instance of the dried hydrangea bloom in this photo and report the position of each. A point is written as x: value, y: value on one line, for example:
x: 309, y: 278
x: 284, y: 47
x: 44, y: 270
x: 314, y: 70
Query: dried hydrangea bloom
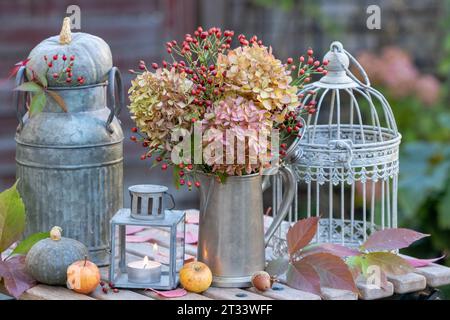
x: 160, y: 103
x: 253, y: 72
x: 241, y: 120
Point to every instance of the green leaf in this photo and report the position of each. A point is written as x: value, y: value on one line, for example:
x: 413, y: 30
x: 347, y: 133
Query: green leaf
x: 12, y: 217
x: 37, y: 103
x: 390, y: 263
x: 25, y: 245
x: 30, y: 87
x: 277, y: 267
x: 43, y: 78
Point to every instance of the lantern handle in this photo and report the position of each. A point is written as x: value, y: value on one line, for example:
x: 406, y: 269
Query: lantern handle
x: 338, y: 47
x: 114, y: 79
x: 20, y: 78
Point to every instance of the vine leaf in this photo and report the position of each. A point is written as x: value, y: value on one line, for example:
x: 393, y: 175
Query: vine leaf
x: 417, y: 263
x: 278, y: 266
x: 333, y: 248
x: 25, y: 245
x: 390, y: 263
x: 12, y: 217
x: 15, y: 278
x: 301, y: 233
x: 392, y: 239
x: 60, y: 101
x: 37, y: 103
x: 304, y: 277
x: 333, y: 271
x: 30, y: 87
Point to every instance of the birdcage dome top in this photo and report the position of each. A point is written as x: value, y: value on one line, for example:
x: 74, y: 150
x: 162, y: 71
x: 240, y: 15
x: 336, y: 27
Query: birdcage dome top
x: 350, y: 116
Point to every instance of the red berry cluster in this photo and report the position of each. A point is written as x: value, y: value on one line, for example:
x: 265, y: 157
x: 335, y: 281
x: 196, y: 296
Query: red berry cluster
x: 183, y: 171
x: 64, y: 74
x: 306, y: 67
x: 108, y: 286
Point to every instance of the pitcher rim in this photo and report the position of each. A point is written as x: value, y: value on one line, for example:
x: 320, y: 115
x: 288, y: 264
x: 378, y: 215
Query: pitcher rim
x: 247, y: 176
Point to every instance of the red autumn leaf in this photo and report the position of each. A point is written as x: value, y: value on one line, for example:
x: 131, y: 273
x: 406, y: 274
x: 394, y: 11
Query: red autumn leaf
x: 303, y: 276
x: 335, y: 249
x: 170, y: 293
x: 333, y: 271
x: 16, y: 67
x: 15, y: 278
x: 301, y: 233
x: 417, y: 263
x: 391, y: 239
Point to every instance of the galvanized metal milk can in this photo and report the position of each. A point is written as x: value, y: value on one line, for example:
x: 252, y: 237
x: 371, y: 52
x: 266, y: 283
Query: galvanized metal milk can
x: 70, y: 163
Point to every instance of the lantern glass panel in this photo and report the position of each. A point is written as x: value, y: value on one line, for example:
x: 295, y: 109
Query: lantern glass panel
x: 160, y: 253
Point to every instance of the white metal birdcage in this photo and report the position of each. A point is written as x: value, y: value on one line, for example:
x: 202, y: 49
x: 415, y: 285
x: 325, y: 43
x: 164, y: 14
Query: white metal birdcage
x: 347, y: 161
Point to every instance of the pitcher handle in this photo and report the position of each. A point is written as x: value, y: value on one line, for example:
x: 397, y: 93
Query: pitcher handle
x: 20, y: 78
x: 171, y: 199
x: 114, y: 78
x: 289, y: 185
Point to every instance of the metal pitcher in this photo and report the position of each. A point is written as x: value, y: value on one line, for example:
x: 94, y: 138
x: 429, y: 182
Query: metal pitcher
x: 231, y: 233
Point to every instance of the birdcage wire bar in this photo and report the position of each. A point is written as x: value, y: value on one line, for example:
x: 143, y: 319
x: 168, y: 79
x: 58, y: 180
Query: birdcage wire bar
x: 347, y: 160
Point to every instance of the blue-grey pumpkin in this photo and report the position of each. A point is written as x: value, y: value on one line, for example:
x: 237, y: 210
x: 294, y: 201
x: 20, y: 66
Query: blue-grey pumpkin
x: 48, y: 260
x: 92, y: 57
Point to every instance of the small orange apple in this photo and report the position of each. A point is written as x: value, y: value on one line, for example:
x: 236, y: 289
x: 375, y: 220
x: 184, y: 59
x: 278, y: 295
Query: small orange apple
x: 83, y: 276
x: 195, y: 277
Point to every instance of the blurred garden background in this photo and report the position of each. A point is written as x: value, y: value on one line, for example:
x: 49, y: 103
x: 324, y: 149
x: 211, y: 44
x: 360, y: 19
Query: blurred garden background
x: 408, y: 60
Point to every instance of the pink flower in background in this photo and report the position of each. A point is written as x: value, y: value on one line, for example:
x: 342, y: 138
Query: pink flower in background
x: 427, y: 89
x: 395, y: 70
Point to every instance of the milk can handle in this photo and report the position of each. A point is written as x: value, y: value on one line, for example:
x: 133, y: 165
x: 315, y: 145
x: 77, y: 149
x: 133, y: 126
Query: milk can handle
x: 289, y: 185
x: 114, y: 79
x: 20, y: 78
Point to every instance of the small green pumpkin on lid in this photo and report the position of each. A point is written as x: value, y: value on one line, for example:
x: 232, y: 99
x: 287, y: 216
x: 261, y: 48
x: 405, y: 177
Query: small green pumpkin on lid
x: 48, y: 260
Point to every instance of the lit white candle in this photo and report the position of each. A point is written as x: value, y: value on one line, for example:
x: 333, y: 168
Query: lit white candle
x: 144, y: 271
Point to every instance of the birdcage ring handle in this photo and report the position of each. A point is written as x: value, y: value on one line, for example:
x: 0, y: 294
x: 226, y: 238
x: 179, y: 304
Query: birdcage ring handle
x: 338, y: 47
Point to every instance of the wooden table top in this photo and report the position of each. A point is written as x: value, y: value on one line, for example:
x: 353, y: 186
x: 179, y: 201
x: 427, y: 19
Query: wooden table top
x: 433, y: 275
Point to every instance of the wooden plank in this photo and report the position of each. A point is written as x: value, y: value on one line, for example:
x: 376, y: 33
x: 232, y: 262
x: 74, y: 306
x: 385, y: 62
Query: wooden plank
x: 337, y: 294
x: 189, y: 296
x: 123, y: 294
x: 283, y: 292
x: 233, y: 294
x: 373, y: 292
x: 45, y: 292
x: 409, y: 282
x: 435, y: 274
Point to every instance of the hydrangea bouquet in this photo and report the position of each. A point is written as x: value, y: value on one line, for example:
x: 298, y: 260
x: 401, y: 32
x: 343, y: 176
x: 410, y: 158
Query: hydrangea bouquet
x: 190, y: 110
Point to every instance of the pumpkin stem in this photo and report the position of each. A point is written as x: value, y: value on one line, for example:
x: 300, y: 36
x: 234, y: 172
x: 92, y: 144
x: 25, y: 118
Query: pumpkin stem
x: 85, y: 261
x: 65, y: 37
x: 55, y: 233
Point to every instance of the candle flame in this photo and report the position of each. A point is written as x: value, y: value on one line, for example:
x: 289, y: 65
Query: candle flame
x: 145, y: 262
x: 155, y: 248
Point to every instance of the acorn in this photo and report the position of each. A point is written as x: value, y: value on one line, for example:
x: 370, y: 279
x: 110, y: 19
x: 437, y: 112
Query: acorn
x: 262, y: 281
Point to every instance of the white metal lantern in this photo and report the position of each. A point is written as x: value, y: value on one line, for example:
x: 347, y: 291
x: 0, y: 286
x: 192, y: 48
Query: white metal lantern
x: 348, y: 166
